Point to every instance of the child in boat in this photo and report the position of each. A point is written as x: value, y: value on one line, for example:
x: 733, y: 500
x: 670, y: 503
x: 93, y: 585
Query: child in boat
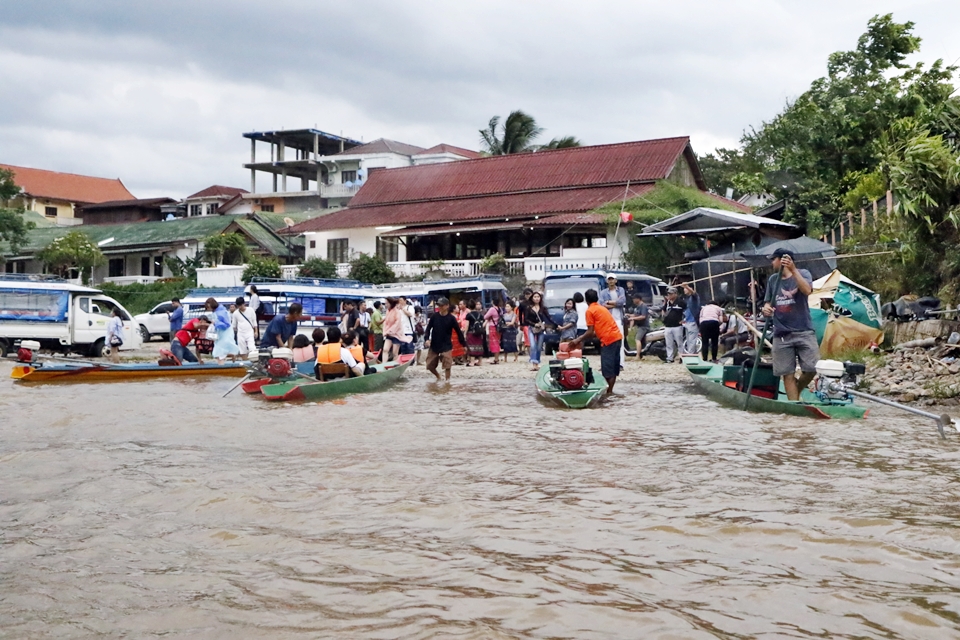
x: 302, y: 349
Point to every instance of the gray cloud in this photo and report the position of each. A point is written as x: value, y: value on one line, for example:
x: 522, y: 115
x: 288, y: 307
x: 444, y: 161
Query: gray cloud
x: 159, y: 94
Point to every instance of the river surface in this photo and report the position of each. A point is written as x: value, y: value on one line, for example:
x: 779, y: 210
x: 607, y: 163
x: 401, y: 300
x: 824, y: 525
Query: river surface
x: 469, y: 511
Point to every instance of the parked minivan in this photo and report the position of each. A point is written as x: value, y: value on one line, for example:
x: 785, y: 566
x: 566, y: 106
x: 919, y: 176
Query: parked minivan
x: 558, y: 286
x: 59, y: 315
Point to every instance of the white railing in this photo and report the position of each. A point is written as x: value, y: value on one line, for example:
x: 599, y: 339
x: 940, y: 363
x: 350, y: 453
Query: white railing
x: 536, y: 268
x: 338, y: 191
x: 288, y: 271
x: 453, y: 268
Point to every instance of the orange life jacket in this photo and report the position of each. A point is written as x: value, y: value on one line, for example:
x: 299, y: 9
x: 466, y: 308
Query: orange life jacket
x: 328, y: 353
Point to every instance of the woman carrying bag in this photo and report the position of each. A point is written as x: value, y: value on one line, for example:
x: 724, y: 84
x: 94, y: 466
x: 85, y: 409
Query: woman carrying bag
x: 536, y: 319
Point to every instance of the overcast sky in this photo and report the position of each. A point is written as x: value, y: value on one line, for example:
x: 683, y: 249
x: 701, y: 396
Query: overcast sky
x: 158, y: 94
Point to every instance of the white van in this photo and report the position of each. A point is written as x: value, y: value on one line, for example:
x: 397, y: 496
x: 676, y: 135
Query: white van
x: 60, y: 316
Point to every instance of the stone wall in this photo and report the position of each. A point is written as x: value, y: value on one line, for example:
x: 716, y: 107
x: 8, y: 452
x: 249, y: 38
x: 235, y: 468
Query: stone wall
x: 899, y: 332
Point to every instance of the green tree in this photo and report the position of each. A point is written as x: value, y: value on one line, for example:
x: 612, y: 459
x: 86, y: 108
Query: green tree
x: 566, y: 142
x: 13, y: 226
x: 823, y: 144
x: 186, y: 269
x: 226, y: 248
x: 72, y: 251
x: 318, y: 268
x: 371, y: 269
x: 516, y: 135
x: 261, y: 268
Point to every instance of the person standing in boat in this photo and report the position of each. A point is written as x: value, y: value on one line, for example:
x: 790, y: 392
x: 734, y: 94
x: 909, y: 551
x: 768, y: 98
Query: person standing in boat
x: 282, y: 329
x: 794, y: 339
x: 438, y: 339
x: 602, y: 325
x: 244, y: 322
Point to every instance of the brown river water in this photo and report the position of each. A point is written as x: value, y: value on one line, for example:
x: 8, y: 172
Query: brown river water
x: 470, y: 511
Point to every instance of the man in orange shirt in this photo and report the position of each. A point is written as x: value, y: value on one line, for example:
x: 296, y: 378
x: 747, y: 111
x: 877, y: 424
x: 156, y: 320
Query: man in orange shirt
x: 600, y: 323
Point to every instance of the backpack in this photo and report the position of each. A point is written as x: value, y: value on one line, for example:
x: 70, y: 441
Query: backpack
x: 476, y: 327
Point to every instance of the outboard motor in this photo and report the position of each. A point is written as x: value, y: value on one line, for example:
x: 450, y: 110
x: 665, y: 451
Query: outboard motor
x: 28, y: 351
x: 833, y: 376
x: 570, y: 377
x: 279, y: 362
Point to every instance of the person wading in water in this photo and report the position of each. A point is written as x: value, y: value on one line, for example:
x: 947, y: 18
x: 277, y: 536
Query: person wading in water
x: 437, y: 339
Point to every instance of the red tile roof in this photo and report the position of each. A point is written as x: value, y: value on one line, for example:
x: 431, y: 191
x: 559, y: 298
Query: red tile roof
x: 68, y: 187
x: 449, y: 148
x: 514, y: 205
x: 546, y: 183
x: 217, y: 191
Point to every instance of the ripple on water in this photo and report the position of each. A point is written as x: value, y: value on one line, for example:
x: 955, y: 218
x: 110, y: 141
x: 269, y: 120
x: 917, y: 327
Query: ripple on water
x: 468, y: 510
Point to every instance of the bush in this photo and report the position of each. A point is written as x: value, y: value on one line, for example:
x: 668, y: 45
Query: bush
x: 318, y: 268
x: 261, y: 268
x: 494, y: 263
x: 140, y: 298
x: 226, y: 248
x: 371, y: 269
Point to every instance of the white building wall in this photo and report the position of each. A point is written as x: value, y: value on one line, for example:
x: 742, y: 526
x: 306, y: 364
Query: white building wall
x: 363, y: 240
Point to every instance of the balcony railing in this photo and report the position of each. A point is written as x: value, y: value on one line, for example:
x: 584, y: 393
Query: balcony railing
x: 338, y: 191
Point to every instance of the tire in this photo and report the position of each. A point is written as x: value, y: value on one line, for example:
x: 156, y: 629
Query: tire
x: 144, y: 333
x: 99, y: 349
x: 4, y: 348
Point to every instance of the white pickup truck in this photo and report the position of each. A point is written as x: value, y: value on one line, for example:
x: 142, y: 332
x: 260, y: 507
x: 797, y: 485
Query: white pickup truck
x: 60, y: 316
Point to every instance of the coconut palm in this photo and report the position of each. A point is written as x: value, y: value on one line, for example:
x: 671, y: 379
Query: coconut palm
x: 560, y: 143
x: 516, y: 135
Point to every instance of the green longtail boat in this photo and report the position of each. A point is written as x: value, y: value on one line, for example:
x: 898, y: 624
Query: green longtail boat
x: 548, y: 388
x: 719, y: 382
x: 314, y: 390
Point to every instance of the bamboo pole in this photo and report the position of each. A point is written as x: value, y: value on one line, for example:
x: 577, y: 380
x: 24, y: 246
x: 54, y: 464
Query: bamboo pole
x: 752, y: 328
x: 875, y: 214
x: 889, y: 202
x: 863, y: 218
x: 710, y: 278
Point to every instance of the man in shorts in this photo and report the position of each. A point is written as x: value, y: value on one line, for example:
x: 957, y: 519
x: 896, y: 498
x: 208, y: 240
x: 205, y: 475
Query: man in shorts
x: 438, y: 341
x: 601, y: 324
x: 794, y: 340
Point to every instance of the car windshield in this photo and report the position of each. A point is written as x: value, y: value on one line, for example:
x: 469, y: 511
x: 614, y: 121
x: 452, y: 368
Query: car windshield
x: 560, y: 289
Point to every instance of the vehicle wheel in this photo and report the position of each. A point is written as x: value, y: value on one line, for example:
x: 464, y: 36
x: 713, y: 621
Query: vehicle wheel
x: 4, y: 348
x: 144, y: 333
x: 99, y: 349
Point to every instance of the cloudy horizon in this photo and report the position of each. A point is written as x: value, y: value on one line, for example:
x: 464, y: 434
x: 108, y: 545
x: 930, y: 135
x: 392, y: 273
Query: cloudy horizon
x: 161, y: 98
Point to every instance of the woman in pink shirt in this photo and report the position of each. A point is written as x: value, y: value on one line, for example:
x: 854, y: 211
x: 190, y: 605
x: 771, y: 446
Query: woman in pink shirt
x: 393, y: 330
x: 711, y: 316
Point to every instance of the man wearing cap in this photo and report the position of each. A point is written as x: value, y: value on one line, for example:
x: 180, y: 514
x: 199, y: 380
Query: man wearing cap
x: 672, y: 315
x: 614, y: 299
x: 794, y: 340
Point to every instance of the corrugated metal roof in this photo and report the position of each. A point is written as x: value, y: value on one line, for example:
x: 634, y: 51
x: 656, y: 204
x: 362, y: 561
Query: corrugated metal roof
x: 637, y: 162
x: 449, y: 148
x: 382, y: 145
x: 68, y: 187
x: 517, y: 205
x: 219, y: 191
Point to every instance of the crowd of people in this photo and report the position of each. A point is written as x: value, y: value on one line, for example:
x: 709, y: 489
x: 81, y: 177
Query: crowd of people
x: 466, y: 333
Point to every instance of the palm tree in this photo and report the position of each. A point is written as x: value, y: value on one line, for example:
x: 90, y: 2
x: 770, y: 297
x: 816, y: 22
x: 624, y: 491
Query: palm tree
x: 515, y: 136
x: 560, y: 143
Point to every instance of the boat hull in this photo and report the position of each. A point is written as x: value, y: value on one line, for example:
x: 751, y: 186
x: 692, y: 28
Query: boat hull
x: 710, y: 382
x: 102, y: 373
x: 315, y: 391
x: 580, y: 399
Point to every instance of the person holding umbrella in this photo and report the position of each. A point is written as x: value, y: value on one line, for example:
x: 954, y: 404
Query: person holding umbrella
x: 794, y: 338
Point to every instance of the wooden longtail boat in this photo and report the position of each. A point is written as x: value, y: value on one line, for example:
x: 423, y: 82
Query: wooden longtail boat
x: 313, y: 390
x: 96, y: 372
x: 548, y: 388
x: 718, y: 381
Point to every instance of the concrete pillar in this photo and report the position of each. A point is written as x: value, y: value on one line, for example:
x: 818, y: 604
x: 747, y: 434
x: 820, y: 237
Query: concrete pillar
x: 253, y: 180
x: 319, y: 178
x: 316, y: 146
x: 281, y: 148
x: 863, y: 218
x: 274, y: 183
x: 284, y: 179
x: 253, y: 150
x: 875, y: 214
x: 304, y: 184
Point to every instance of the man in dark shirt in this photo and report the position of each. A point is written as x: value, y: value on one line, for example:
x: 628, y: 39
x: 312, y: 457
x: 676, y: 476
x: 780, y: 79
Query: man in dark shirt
x: 437, y: 339
x: 672, y: 314
x: 794, y: 339
x: 282, y: 329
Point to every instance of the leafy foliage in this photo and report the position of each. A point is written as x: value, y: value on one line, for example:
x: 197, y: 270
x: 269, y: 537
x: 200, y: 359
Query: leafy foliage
x: 494, y: 263
x: 226, y: 248
x: 186, y: 269
x: 565, y: 142
x: 318, y: 268
x: 664, y: 201
x: 261, y: 268
x: 140, y: 298
x: 73, y: 251
x: 371, y: 269
x: 518, y: 134
x: 13, y: 226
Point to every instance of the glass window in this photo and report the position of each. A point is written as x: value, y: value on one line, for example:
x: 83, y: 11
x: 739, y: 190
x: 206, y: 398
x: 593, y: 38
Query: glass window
x: 388, y: 249
x: 116, y: 268
x: 212, y: 208
x: 196, y: 209
x: 598, y: 242
x: 50, y: 212
x: 266, y: 208
x: 559, y: 289
x: 348, y: 176
x: 338, y: 250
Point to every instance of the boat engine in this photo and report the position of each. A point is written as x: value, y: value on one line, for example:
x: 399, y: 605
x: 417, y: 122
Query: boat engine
x: 569, y: 374
x: 279, y: 363
x: 27, y: 351
x: 833, y: 377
